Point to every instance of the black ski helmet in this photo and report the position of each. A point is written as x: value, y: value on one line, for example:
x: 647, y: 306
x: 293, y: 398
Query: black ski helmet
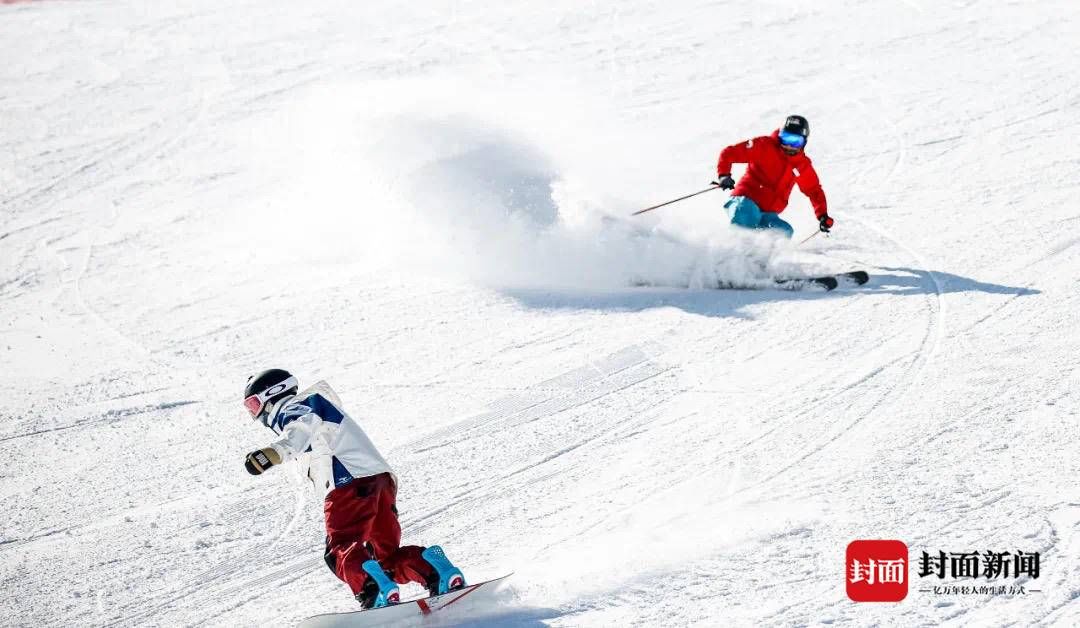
x: 267, y: 388
x: 796, y: 125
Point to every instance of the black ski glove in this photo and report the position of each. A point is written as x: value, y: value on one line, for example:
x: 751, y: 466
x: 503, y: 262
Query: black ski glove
x: 261, y: 460
x: 825, y: 222
x: 726, y: 182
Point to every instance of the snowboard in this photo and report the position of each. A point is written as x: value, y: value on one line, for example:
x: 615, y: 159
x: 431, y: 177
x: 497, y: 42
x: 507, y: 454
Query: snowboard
x: 415, y: 610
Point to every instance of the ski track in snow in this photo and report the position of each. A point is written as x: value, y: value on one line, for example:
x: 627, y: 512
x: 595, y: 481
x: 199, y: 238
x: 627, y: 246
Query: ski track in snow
x: 426, y: 206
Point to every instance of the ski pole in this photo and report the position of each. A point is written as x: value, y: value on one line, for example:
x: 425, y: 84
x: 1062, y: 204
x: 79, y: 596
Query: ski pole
x: 714, y: 186
x: 808, y: 238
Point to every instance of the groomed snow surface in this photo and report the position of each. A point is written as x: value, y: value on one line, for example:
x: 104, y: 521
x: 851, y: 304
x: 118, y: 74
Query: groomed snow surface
x: 427, y: 205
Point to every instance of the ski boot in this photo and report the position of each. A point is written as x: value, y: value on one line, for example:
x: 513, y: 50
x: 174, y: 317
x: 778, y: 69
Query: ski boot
x: 379, y: 589
x: 447, y: 577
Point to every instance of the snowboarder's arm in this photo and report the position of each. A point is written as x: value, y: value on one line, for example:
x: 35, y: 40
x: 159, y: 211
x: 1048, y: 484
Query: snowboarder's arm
x: 294, y: 440
x: 296, y: 436
x: 734, y: 154
x: 810, y: 185
x: 261, y: 460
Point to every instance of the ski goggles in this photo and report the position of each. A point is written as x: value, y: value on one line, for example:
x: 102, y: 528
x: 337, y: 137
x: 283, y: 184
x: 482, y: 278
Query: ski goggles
x: 256, y: 403
x: 792, y: 140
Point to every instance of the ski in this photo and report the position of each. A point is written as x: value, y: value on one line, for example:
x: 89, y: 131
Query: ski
x: 856, y: 277
x: 783, y: 283
x: 827, y: 282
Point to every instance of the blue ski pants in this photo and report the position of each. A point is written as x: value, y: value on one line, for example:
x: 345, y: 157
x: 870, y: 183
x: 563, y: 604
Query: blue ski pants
x: 746, y: 213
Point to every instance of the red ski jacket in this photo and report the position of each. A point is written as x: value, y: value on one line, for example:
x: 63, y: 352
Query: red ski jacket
x: 772, y: 173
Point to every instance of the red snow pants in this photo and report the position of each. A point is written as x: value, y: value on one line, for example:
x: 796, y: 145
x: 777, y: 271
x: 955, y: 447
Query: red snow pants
x: 362, y: 523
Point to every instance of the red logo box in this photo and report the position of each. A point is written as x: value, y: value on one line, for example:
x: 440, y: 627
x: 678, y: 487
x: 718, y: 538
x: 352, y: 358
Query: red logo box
x: 876, y: 571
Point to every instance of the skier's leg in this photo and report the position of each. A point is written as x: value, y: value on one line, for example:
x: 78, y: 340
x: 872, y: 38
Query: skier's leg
x: 770, y: 220
x: 350, y: 512
x: 743, y: 212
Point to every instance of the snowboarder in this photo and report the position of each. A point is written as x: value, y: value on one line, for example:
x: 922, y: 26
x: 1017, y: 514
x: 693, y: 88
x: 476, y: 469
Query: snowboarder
x: 776, y: 163
x: 363, y: 536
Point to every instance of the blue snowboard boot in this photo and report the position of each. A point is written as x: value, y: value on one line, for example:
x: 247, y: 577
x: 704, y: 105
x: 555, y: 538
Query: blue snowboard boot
x: 447, y: 577
x: 379, y: 589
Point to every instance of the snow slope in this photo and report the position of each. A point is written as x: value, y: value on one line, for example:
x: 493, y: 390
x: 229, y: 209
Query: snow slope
x: 424, y: 205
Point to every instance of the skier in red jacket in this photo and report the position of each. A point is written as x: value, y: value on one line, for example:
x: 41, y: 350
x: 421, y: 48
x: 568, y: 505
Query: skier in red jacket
x: 775, y: 164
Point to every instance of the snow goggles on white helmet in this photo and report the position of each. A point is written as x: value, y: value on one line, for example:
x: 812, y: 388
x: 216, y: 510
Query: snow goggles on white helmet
x: 792, y: 140
x: 257, y: 400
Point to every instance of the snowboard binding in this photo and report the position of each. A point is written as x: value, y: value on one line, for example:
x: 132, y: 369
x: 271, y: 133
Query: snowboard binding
x: 447, y: 577
x: 379, y: 589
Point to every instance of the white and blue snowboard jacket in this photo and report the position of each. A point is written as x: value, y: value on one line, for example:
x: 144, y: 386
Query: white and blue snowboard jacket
x: 315, y: 431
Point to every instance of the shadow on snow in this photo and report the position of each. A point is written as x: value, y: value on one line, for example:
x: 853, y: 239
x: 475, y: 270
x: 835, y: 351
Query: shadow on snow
x: 730, y: 303
x: 919, y: 281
